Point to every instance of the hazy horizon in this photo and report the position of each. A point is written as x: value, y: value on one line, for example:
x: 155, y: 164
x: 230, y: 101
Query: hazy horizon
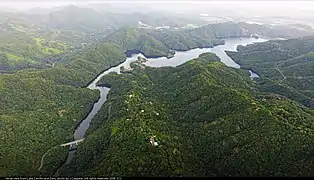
x: 291, y: 5
x: 230, y: 8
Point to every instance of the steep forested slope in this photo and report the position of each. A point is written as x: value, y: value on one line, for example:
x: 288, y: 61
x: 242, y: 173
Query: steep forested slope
x: 285, y: 67
x: 36, y: 114
x: 23, y: 46
x: 211, y: 34
x: 32, y: 40
x: 138, y: 40
x: 155, y: 43
x: 40, y: 109
x: 39, y: 40
x: 275, y: 31
x: 207, y: 120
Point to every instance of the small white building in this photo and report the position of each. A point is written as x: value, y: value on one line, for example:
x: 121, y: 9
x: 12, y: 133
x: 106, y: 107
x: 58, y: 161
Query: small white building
x: 152, y: 141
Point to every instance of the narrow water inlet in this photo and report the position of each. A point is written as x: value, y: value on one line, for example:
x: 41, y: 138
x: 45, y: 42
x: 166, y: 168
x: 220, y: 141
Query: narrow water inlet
x: 178, y: 59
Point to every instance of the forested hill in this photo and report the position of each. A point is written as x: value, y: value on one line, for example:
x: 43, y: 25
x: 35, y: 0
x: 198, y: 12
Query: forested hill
x: 138, y: 40
x: 22, y: 45
x: 157, y: 43
x: 39, y: 40
x: 201, y: 118
x: 41, y: 107
x: 285, y: 67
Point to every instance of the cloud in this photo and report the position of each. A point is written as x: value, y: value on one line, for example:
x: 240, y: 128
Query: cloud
x: 257, y: 4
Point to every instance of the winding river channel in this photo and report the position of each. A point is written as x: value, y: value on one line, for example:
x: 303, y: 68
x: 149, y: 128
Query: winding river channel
x: 178, y: 59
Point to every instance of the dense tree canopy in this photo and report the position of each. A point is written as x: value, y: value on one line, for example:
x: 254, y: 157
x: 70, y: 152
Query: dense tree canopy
x: 157, y: 43
x: 208, y: 120
x: 41, y: 107
x: 285, y: 67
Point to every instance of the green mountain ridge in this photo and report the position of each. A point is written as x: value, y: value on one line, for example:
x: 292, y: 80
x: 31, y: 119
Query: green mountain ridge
x: 41, y: 108
x: 285, y: 67
x: 159, y: 43
x: 139, y: 40
x: 40, y: 40
x: 208, y: 120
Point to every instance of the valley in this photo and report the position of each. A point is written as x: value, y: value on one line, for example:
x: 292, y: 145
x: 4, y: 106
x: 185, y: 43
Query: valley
x: 222, y: 122
x: 183, y: 56
x: 212, y: 99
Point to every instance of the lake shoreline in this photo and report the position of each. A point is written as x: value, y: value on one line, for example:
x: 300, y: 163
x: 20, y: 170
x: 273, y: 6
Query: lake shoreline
x: 178, y: 59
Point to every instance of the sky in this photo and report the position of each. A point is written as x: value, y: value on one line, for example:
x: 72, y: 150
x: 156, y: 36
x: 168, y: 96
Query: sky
x: 266, y: 6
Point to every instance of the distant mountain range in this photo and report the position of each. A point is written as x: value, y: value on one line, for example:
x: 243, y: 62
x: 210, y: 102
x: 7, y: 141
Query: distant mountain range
x: 36, y: 40
x: 200, y: 118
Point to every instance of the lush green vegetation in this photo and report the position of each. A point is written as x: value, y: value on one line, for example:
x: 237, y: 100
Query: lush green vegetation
x: 275, y: 31
x: 53, y: 159
x: 138, y: 40
x: 22, y: 45
x: 207, y: 119
x: 36, y: 114
x: 285, y: 67
x: 38, y: 41
x: 205, y: 36
x: 156, y: 43
x: 40, y: 109
x: 185, y: 40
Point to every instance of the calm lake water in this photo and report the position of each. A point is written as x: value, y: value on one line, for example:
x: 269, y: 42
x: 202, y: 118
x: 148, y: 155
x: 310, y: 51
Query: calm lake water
x: 182, y: 57
x: 178, y: 59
